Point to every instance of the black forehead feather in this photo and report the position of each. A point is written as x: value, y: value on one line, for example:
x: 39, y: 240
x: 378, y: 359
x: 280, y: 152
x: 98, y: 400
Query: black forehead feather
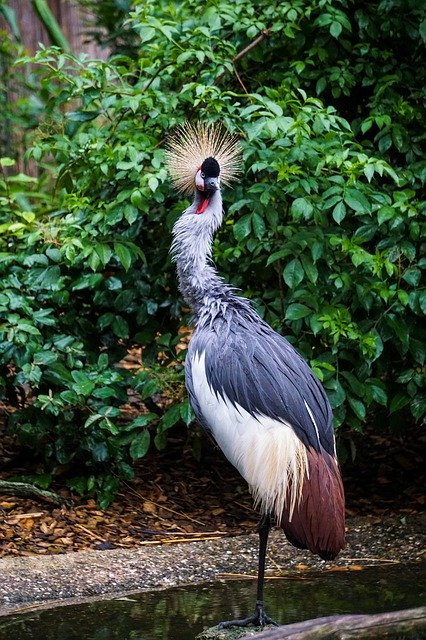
x: 210, y: 167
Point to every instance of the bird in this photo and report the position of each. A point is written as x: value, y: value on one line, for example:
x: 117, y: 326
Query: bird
x: 247, y: 385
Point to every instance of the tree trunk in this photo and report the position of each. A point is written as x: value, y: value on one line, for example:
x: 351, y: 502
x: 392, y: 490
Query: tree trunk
x: 71, y: 18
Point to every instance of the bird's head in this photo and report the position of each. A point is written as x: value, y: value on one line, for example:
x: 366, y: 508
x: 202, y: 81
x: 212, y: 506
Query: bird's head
x: 207, y: 176
x: 207, y: 182
x: 197, y: 155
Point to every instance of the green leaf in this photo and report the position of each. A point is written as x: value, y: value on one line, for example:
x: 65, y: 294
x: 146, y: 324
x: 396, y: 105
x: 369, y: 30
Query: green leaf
x: 258, y: 225
x: 357, y: 407
x: 160, y: 440
x: 100, y: 452
x: 315, y: 324
x: 94, y: 260
x: 6, y: 162
x: 398, y: 402
x: 32, y: 259
x: 321, y: 85
x: 385, y: 143
x: 296, y: 311
x: 356, y: 200
x: 422, y: 300
x: 136, y: 198
x: 141, y: 421
x: 399, y: 329
x: 385, y: 213
x: 123, y: 254
x: 309, y: 268
x: 335, y: 29
x: 418, y: 406
x: 369, y: 171
x: 242, y: 228
x: 403, y: 297
x: 54, y: 254
x: 355, y: 384
x: 170, y: 417
x: 186, y: 412
x: 335, y: 391
x: 153, y: 183
x: 49, y: 278
x: 378, y: 392
x: 278, y: 255
x: 412, y: 275
x: 110, y: 412
x: 45, y: 357
x: 103, y: 361
x: 120, y: 327
x: 70, y: 397
x: 301, y: 208
x: 28, y: 328
x: 317, y: 250
x: 83, y: 385
x: 366, y: 125
x: 140, y: 445
x: 339, y: 212
x: 104, y: 393
x: 104, y: 252
x: 88, y: 281
x: 422, y: 30
x: 254, y: 129
x: 95, y: 417
x: 293, y: 273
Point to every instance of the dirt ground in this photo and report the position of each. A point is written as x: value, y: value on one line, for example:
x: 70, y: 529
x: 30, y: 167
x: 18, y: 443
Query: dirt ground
x: 177, y: 498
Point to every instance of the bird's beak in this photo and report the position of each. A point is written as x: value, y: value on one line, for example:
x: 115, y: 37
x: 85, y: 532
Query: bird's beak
x: 211, y: 184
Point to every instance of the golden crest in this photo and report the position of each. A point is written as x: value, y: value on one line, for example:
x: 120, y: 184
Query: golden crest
x: 191, y: 144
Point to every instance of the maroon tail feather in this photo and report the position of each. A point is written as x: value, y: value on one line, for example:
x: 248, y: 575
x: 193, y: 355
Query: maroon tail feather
x: 318, y: 520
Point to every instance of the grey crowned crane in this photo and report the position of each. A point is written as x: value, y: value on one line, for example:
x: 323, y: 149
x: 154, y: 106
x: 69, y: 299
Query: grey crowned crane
x: 247, y: 385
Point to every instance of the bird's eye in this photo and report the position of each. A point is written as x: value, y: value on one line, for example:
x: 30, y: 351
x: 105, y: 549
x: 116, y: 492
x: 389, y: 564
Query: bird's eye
x: 203, y: 175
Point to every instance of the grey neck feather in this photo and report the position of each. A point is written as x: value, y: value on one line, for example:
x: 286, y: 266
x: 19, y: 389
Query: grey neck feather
x: 191, y: 249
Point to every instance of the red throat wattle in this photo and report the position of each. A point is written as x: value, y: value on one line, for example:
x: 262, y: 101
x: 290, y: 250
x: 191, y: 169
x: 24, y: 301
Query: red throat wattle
x: 204, y: 202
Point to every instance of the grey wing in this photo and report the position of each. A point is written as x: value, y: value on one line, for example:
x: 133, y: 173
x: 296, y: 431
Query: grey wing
x: 259, y: 370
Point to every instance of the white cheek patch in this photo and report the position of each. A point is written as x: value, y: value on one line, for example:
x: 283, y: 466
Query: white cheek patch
x: 266, y: 452
x: 199, y: 181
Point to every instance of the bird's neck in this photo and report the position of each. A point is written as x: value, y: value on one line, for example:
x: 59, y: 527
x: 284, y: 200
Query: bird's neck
x: 192, y: 251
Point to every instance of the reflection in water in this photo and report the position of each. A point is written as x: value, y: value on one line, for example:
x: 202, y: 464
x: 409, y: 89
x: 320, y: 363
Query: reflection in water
x: 182, y: 613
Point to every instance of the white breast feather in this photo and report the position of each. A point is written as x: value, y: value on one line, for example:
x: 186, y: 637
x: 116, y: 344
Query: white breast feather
x: 266, y: 452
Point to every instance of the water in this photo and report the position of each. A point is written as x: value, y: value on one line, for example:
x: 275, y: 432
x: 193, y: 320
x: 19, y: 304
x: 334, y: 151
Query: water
x: 181, y: 613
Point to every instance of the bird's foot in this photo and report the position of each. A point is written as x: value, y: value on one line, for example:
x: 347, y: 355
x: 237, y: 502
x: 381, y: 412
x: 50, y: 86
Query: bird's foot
x: 257, y: 619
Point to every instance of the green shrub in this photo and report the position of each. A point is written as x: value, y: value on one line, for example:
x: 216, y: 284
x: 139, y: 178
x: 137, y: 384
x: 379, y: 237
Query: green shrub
x: 323, y: 232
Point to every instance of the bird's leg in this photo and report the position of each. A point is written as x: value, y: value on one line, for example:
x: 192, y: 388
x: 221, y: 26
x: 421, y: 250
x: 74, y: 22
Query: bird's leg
x: 263, y: 529
x: 259, y: 617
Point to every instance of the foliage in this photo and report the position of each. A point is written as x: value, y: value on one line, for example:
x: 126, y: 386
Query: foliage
x: 323, y: 233
x: 64, y: 327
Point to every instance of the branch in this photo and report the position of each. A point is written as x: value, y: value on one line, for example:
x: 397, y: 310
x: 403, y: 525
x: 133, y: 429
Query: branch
x: 406, y: 623
x: 410, y: 623
x: 241, y: 54
x: 251, y: 46
x: 26, y: 490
